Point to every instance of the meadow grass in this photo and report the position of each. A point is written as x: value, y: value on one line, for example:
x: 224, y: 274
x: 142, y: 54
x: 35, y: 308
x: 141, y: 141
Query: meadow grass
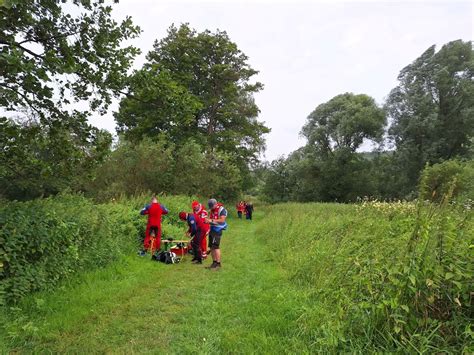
x: 299, y: 278
x: 142, y: 306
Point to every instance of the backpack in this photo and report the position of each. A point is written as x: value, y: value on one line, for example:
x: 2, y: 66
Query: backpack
x: 167, y: 257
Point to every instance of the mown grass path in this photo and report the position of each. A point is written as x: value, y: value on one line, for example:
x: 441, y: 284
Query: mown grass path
x: 142, y: 306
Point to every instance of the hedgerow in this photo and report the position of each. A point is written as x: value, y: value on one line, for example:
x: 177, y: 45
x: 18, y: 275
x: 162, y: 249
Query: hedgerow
x: 45, y: 241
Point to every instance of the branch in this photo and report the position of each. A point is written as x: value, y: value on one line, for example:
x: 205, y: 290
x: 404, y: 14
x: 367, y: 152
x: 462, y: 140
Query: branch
x: 28, y: 101
x: 36, y: 55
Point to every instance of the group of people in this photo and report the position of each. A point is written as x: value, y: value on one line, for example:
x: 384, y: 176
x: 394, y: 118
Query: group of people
x: 201, y: 225
x: 244, y: 207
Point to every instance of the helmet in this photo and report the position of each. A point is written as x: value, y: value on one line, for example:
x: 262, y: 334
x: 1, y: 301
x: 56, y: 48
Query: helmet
x: 195, y: 204
x: 182, y: 215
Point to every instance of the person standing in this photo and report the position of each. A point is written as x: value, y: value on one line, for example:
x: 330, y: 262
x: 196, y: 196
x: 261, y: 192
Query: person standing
x: 240, y: 209
x: 200, y: 211
x: 248, y: 210
x: 196, y: 231
x: 154, y: 210
x: 217, y: 220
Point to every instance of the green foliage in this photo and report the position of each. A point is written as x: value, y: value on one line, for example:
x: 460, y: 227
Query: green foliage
x: 452, y: 176
x: 46, y: 45
x: 52, y: 55
x: 381, y: 277
x: 328, y: 167
x: 202, y: 90
x: 343, y: 123
x: 432, y: 109
x: 163, y: 167
x: 43, y: 242
x: 157, y: 106
x: 39, y: 160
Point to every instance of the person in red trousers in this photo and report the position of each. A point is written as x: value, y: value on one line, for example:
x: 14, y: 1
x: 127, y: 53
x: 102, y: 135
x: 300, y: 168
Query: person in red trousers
x: 154, y: 211
x: 200, y: 212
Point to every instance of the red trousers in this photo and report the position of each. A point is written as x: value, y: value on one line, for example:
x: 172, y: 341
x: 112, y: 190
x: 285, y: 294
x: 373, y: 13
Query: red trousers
x: 148, y: 237
x: 204, y: 242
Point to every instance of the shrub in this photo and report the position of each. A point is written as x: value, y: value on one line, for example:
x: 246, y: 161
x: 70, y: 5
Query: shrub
x: 437, y: 181
x: 45, y: 241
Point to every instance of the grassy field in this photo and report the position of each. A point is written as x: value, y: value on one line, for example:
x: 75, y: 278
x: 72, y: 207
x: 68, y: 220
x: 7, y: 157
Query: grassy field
x: 297, y: 279
x: 143, y: 306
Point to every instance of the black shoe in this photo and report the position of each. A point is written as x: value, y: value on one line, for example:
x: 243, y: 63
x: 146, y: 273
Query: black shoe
x: 196, y: 261
x: 216, y: 267
x: 213, y: 265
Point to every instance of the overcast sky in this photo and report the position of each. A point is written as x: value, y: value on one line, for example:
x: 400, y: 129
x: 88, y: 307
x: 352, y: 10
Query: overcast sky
x: 309, y: 51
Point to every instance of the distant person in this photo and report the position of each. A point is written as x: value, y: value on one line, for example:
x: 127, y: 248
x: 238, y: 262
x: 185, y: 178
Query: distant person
x: 248, y: 210
x: 154, y: 210
x: 200, y: 211
x: 240, y: 209
x: 218, y: 215
x: 196, y: 231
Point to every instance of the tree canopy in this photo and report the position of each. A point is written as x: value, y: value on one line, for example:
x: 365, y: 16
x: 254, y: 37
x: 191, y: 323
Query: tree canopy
x: 432, y: 109
x: 209, y: 80
x: 52, y: 54
x: 344, y: 122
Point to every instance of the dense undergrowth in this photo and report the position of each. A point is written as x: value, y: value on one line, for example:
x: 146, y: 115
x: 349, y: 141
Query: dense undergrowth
x: 46, y: 241
x: 383, y: 276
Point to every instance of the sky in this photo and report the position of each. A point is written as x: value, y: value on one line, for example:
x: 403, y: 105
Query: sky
x: 307, y: 52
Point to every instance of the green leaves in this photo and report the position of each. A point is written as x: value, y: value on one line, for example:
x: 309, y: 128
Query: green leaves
x: 197, y: 86
x: 431, y: 109
x: 40, y: 42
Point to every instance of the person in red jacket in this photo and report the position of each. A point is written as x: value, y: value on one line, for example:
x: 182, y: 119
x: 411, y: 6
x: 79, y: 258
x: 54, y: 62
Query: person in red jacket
x: 154, y: 210
x: 202, y: 213
x: 240, y: 209
x: 217, y: 220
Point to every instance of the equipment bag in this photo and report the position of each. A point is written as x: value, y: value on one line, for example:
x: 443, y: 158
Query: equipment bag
x: 167, y: 257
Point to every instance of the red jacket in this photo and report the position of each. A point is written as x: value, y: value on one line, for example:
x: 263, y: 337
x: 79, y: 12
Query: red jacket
x: 202, y: 213
x: 154, y: 212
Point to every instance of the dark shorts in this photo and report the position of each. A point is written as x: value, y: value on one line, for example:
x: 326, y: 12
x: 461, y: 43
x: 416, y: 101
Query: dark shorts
x: 214, y: 239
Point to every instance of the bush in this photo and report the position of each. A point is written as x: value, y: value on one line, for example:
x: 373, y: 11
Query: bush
x: 43, y: 242
x: 452, y: 177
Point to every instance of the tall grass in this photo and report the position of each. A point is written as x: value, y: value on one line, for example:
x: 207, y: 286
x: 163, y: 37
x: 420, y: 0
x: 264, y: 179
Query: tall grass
x: 383, y: 277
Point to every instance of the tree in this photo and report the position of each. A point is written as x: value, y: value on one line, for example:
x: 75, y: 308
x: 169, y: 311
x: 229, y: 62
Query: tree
x: 51, y: 54
x: 41, y: 161
x: 216, y: 74
x: 156, y: 106
x: 344, y: 122
x: 328, y: 167
x: 432, y: 109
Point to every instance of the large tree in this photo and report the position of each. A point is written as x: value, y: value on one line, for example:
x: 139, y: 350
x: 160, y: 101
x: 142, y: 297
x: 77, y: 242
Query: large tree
x: 52, y: 54
x: 328, y: 167
x: 432, y: 108
x: 343, y: 123
x: 217, y: 76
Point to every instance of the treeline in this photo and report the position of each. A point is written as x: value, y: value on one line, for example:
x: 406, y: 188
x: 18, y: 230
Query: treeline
x: 187, y: 121
x: 427, y: 119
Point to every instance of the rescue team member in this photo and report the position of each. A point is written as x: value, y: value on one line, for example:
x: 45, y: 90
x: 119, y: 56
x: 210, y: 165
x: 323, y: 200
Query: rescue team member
x: 218, y: 215
x: 202, y: 213
x: 196, y: 231
x: 240, y: 209
x: 153, y: 228
x: 248, y: 210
